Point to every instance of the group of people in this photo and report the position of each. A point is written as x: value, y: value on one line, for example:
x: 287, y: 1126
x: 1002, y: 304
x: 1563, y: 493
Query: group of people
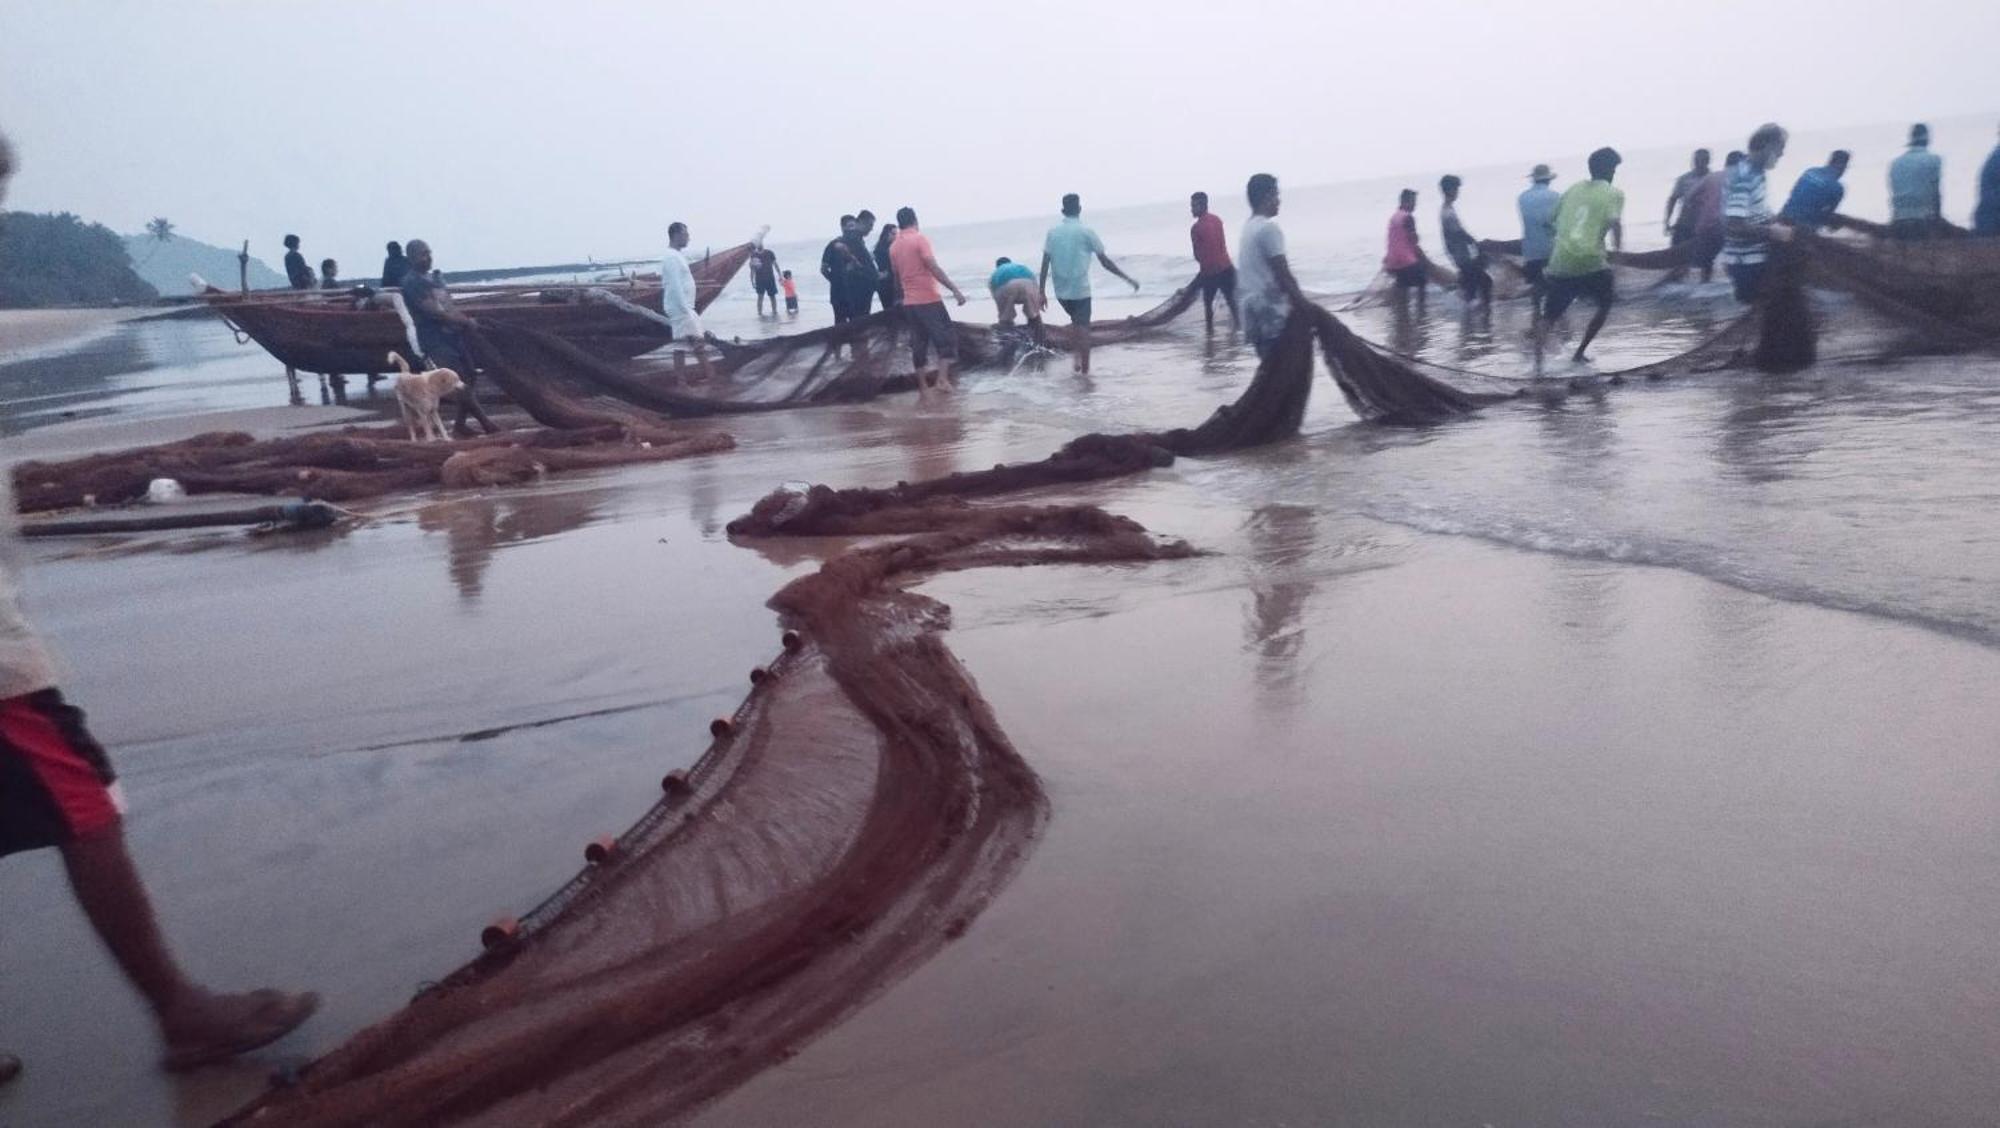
x: 301, y: 276
x: 1718, y: 213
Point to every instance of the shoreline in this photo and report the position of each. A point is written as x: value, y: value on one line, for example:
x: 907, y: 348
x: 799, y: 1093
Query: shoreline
x: 34, y: 334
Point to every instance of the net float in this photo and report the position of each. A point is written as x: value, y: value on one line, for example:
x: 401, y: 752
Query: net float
x: 676, y: 783
x: 600, y: 850
x: 791, y: 640
x: 721, y: 727
x: 502, y: 931
x: 759, y: 675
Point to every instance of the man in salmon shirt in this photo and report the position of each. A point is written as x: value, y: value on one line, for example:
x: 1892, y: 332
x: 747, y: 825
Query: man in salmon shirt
x: 1405, y: 260
x: 1211, y: 255
x: 919, y: 274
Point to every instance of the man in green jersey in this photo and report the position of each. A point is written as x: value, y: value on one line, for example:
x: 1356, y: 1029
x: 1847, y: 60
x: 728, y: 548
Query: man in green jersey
x: 1577, y: 265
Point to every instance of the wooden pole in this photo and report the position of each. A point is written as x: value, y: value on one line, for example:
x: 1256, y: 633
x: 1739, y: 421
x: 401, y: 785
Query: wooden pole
x: 243, y: 266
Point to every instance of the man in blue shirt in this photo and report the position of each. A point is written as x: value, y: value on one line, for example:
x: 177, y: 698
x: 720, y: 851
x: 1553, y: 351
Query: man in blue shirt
x: 1538, y: 228
x: 1986, y: 217
x: 1916, y: 200
x: 1067, y: 253
x: 1013, y: 287
x: 1817, y: 194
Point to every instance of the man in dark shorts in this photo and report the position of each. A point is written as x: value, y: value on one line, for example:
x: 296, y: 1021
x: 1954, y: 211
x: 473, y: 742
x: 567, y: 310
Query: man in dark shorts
x: 919, y: 275
x: 1067, y: 252
x: 1538, y: 205
x: 57, y: 790
x: 1211, y: 256
x: 1578, y: 266
x: 438, y: 325
x: 1474, y: 283
x: 1681, y: 228
x: 764, y: 278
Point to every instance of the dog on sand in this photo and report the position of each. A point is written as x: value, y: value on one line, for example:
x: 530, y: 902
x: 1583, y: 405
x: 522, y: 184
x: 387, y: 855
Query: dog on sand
x: 419, y: 393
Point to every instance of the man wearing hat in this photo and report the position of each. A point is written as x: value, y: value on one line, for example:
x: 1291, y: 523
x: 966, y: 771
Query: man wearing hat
x: 1538, y: 227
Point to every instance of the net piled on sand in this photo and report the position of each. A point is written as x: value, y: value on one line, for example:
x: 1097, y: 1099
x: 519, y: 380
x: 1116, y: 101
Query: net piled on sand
x: 851, y: 818
x: 350, y: 465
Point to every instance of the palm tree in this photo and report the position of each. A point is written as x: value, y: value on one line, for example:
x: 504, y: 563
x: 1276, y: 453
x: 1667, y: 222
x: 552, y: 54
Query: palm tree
x: 161, y: 228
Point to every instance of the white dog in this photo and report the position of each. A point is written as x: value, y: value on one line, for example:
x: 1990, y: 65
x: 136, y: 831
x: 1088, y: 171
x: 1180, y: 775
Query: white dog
x: 419, y: 393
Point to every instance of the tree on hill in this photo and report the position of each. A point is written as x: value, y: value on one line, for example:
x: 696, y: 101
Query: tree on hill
x: 161, y: 228
x: 58, y: 259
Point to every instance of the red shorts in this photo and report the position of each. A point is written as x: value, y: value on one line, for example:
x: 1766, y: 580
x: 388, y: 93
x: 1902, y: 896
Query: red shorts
x: 55, y: 781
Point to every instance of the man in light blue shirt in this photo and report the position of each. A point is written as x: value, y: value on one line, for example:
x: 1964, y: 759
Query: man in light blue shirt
x: 1916, y: 201
x: 1538, y: 227
x: 1066, y: 254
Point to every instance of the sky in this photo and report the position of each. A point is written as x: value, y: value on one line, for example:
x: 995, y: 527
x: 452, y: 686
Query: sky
x: 513, y: 133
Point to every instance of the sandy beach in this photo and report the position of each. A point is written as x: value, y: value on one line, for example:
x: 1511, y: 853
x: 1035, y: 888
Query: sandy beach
x: 1617, y: 759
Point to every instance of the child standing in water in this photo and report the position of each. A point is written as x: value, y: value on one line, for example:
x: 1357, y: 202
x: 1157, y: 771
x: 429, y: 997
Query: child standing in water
x: 791, y: 294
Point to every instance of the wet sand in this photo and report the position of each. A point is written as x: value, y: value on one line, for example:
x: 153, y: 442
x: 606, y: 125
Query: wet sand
x: 1349, y: 823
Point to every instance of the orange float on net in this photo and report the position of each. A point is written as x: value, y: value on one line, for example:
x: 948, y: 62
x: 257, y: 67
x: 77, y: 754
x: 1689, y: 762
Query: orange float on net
x: 759, y: 675
x: 503, y: 931
x: 791, y: 640
x: 676, y: 783
x: 721, y: 727
x: 600, y: 850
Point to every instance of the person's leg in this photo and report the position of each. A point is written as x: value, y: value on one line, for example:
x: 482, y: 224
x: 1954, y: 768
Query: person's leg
x: 1561, y: 292
x: 1080, y: 325
x: 56, y: 792
x: 920, y: 350
x: 1208, y: 288
x: 468, y: 401
x: 1601, y: 292
x: 1229, y: 295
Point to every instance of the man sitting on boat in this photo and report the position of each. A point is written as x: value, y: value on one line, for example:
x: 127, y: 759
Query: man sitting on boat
x: 438, y: 323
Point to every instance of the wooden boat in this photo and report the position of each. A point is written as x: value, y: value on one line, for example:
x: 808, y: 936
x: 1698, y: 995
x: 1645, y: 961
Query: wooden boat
x: 334, y: 334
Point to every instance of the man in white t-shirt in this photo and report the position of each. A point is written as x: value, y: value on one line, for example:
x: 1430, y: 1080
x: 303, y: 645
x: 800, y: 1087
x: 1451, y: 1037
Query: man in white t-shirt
x: 1265, y: 288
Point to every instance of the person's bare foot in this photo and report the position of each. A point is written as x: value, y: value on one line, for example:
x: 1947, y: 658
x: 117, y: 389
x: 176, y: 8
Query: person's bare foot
x: 206, y: 1028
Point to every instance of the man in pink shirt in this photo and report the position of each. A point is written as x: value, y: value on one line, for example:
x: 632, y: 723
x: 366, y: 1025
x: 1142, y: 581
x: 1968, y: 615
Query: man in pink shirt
x: 1405, y: 260
x: 1211, y: 256
x: 919, y: 274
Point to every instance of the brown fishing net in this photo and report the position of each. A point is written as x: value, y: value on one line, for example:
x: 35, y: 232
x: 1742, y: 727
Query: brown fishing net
x: 349, y: 465
x: 854, y: 815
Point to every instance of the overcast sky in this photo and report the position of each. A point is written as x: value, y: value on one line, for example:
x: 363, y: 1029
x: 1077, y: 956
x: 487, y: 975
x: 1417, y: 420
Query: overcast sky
x: 531, y: 132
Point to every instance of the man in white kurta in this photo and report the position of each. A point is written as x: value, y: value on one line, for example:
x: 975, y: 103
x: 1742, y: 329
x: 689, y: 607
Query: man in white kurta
x: 678, y: 293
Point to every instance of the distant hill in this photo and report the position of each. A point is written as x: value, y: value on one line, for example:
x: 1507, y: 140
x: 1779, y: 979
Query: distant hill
x: 58, y: 259
x: 165, y: 265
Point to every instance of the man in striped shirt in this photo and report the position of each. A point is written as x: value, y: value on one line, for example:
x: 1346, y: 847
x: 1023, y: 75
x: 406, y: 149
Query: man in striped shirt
x: 1748, y: 223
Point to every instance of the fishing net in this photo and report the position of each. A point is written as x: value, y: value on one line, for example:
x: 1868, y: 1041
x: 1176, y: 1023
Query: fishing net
x: 349, y: 465
x: 853, y: 816
x: 847, y: 363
